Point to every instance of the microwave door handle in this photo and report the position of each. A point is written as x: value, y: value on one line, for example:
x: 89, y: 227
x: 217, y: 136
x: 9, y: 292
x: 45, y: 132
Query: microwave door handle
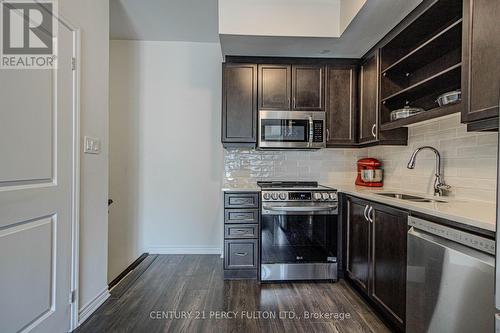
x: 311, y: 131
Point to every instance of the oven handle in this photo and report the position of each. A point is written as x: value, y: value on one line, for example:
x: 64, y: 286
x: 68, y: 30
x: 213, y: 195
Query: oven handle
x: 311, y: 131
x: 301, y: 209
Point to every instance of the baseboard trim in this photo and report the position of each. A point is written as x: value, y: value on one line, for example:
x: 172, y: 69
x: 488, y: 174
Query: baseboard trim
x: 127, y: 270
x: 182, y: 250
x: 93, y: 305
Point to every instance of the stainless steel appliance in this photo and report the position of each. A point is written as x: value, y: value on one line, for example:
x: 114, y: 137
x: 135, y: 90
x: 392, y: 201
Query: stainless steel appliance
x: 497, y: 273
x: 292, y: 130
x: 450, y: 280
x: 299, y: 235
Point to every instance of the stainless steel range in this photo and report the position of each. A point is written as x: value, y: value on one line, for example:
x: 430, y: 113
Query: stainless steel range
x: 299, y: 232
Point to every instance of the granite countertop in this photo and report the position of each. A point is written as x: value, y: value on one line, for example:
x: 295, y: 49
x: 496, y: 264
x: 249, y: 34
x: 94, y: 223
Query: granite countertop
x: 240, y: 188
x: 480, y: 214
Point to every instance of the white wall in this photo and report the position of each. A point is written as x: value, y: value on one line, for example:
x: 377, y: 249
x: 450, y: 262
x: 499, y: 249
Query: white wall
x: 295, y: 18
x: 348, y: 10
x: 92, y: 17
x: 166, y: 155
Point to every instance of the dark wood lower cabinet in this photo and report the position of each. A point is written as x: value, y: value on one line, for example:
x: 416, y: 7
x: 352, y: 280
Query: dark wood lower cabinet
x: 388, y: 258
x: 241, y: 235
x: 358, y: 243
x: 376, y: 256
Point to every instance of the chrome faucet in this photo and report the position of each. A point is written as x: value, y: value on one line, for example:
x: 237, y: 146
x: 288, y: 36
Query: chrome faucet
x: 439, y: 185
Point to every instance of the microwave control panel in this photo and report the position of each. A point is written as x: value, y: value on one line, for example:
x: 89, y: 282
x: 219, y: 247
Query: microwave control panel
x: 318, y: 131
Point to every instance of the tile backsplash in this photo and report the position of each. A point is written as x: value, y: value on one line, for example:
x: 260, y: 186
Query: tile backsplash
x: 469, y: 162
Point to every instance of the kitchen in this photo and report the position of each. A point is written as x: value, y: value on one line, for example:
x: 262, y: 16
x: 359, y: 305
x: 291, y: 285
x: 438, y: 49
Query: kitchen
x: 325, y: 176
x: 253, y: 166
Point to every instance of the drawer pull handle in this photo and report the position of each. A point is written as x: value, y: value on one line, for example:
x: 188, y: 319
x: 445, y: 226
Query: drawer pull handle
x: 242, y: 217
x: 241, y: 254
x: 239, y: 232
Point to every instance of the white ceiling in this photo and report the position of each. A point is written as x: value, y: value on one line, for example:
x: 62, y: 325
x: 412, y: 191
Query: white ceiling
x: 197, y: 21
x: 375, y: 19
x: 164, y: 20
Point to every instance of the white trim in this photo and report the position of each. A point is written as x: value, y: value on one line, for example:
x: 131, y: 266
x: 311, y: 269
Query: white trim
x: 182, y: 250
x: 93, y: 305
x: 75, y: 225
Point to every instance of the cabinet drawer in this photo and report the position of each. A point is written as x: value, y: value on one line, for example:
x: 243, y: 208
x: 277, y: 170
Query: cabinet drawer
x: 241, y: 231
x: 241, y: 216
x: 241, y: 200
x: 240, y: 254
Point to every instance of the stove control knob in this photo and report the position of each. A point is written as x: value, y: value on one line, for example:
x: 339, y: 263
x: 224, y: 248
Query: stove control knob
x: 267, y: 196
x: 317, y: 196
x: 326, y: 196
x: 275, y: 196
x: 282, y: 196
x: 333, y: 196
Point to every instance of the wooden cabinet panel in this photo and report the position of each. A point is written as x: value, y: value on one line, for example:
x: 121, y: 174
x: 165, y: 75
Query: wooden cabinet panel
x: 241, y: 200
x: 389, y: 235
x: 241, y: 231
x: 240, y: 254
x: 358, y: 243
x: 308, y: 87
x: 376, y: 255
x: 341, y: 105
x: 369, y: 99
x: 239, y: 104
x: 275, y: 87
x: 480, y: 60
x: 241, y: 216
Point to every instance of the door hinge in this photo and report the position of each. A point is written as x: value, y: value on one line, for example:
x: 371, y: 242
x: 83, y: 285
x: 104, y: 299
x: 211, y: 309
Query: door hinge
x: 73, y: 63
x: 72, y: 296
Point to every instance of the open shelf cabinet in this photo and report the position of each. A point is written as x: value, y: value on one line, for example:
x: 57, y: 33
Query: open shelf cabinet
x: 421, y: 63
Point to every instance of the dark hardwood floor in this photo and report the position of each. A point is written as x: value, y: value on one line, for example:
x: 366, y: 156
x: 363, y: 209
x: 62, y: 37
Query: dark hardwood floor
x: 176, y: 285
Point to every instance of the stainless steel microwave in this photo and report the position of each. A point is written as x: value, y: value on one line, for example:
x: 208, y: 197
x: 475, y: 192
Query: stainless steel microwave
x: 292, y: 130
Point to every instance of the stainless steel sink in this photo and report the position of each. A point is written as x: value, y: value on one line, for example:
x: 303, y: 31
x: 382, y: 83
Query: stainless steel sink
x: 409, y: 197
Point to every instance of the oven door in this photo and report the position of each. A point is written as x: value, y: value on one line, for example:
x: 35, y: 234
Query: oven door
x: 299, y: 243
x: 291, y: 130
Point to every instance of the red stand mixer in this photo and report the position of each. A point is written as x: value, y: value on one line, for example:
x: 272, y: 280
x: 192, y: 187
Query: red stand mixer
x: 370, y: 173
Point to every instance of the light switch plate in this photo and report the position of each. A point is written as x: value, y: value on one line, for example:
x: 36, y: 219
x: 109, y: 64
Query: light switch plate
x: 91, y: 145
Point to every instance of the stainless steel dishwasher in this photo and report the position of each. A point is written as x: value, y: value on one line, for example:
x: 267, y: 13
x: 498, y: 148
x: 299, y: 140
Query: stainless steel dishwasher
x: 450, y: 280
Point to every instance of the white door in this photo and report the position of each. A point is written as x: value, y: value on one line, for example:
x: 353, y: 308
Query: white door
x: 37, y: 117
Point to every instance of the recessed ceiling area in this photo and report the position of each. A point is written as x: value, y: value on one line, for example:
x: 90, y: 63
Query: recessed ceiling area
x: 369, y: 25
x: 352, y: 28
x: 164, y: 20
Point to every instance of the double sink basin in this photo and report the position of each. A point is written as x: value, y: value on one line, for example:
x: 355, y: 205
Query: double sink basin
x: 408, y: 197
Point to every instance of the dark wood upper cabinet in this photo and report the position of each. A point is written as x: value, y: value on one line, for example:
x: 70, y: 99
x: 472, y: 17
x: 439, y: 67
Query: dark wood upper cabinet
x: 481, y: 60
x: 358, y: 243
x: 369, y: 99
x: 341, y: 105
x: 388, y: 258
x: 275, y: 87
x: 239, y: 105
x: 308, y: 87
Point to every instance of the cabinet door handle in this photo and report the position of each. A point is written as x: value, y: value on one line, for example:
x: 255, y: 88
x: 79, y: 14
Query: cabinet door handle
x: 241, y: 254
x: 370, y: 216
x: 374, y: 128
x: 289, y: 104
x: 327, y: 135
x: 364, y: 213
x: 294, y: 104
